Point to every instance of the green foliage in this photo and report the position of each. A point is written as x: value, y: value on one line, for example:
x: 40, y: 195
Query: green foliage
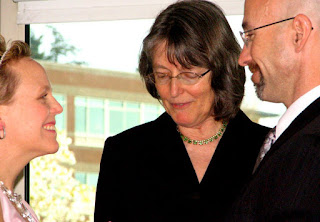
x: 35, y: 44
x: 59, y: 47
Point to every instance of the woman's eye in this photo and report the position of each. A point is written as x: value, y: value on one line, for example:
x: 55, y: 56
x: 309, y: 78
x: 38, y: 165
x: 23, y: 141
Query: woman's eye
x: 44, y: 96
x: 161, y: 75
x: 189, y: 75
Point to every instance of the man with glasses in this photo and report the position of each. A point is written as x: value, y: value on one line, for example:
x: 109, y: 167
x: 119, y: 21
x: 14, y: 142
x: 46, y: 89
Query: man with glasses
x: 282, y: 50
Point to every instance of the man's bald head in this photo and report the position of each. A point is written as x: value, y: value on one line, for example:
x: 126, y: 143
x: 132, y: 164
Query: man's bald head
x: 282, y: 9
x: 283, y: 55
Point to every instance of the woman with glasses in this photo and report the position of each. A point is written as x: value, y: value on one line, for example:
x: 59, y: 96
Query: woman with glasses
x: 191, y: 162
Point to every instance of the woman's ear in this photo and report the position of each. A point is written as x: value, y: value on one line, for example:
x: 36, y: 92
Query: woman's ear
x: 303, y: 28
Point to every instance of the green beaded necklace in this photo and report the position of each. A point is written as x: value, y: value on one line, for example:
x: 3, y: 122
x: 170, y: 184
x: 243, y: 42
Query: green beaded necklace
x: 206, y: 141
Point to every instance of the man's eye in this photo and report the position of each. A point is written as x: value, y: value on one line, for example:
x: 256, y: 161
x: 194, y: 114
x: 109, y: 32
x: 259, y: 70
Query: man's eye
x: 249, y: 36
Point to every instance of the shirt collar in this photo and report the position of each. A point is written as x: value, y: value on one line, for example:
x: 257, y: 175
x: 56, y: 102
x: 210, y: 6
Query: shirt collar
x: 295, y: 109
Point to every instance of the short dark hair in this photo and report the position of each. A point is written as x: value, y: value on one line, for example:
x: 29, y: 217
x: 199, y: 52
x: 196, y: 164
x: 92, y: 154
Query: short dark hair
x: 197, y: 33
x: 8, y: 79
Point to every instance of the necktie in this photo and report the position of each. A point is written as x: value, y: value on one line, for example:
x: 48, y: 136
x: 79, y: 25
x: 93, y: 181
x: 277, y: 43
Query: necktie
x: 270, y: 138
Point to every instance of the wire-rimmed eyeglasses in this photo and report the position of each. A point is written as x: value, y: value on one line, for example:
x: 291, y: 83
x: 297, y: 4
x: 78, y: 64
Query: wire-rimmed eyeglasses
x: 246, y: 36
x: 186, y: 78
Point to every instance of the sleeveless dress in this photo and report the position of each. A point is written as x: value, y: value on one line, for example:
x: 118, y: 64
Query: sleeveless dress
x: 10, y: 214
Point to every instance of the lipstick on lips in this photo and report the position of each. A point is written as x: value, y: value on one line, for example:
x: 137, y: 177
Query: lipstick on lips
x: 180, y: 105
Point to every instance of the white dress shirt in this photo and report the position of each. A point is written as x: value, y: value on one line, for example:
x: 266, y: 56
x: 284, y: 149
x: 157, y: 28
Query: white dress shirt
x: 295, y: 109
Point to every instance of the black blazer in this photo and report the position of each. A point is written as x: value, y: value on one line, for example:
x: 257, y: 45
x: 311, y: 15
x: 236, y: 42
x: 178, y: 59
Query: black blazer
x: 286, y: 185
x: 146, y: 174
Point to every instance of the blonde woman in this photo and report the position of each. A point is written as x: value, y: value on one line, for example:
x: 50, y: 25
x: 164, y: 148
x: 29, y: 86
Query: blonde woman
x: 27, y: 123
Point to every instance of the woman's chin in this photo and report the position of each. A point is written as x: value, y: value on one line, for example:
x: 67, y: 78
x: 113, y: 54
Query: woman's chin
x: 52, y: 149
x: 183, y: 121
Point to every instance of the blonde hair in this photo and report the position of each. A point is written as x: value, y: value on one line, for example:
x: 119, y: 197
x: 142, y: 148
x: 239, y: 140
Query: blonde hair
x: 8, y: 79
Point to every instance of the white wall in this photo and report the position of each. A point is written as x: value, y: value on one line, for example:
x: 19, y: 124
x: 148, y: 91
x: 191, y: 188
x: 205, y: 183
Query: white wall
x: 8, y: 21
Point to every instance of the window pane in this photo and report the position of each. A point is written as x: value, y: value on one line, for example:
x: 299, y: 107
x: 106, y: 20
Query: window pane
x: 132, y: 119
x: 151, y: 108
x: 116, y: 124
x: 150, y: 116
x: 61, y: 118
x: 96, y: 120
x: 80, y: 101
x: 81, y: 177
x: 115, y: 104
x: 131, y: 105
x: 95, y: 102
x: 92, y: 179
x: 80, y: 119
x: 150, y: 112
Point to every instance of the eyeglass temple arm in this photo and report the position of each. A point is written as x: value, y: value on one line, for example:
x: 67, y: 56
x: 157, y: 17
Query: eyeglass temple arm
x: 269, y: 24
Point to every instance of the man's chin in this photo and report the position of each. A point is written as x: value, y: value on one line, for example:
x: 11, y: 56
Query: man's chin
x: 259, y: 91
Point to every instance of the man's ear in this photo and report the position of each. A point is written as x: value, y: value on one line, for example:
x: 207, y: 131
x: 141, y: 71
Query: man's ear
x: 2, y: 129
x: 303, y: 28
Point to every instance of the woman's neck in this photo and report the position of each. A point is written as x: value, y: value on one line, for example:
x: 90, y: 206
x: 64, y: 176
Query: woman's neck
x: 202, y: 131
x: 9, y: 171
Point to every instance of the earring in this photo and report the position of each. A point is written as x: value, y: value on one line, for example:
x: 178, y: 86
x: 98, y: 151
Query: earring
x: 3, y: 135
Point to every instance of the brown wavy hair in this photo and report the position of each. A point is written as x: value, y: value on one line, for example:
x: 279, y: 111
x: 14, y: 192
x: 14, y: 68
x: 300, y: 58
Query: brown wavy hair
x: 197, y: 33
x: 8, y: 80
